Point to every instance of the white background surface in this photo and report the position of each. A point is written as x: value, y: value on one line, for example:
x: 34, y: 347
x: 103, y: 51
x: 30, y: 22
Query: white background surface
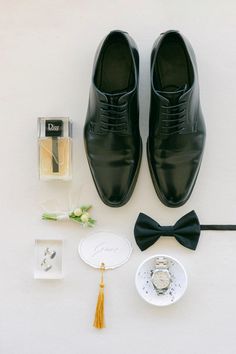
x: 46, y: 55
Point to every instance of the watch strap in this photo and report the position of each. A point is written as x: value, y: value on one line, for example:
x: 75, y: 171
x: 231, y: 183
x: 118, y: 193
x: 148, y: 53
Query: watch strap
x: 162, y: 263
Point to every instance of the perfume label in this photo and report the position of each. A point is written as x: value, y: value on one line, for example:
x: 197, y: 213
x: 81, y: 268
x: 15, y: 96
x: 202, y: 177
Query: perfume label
x: 54, y: 127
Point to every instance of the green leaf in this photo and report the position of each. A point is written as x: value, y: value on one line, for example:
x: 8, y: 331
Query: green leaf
x: 75, y: 218
x: 86, y: 207
x: 92, y: 221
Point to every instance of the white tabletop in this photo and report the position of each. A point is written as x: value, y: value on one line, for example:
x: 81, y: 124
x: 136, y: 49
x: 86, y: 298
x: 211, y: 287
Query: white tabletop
x: 47, y: 49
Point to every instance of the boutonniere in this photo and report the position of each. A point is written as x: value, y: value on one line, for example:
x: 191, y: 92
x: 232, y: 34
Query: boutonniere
x: 80, y: 215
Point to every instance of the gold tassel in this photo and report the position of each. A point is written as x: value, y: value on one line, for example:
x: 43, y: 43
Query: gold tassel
x: 99, y: 315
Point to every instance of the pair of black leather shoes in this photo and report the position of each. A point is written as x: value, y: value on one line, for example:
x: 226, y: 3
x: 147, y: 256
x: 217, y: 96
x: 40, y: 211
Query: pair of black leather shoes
x: 176, y: 126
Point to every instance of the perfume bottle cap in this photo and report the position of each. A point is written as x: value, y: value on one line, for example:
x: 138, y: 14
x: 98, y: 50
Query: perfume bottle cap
x: 54, y: 127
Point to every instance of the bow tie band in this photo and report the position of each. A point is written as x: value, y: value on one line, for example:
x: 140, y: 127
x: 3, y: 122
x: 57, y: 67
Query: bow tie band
x: 186, y: 230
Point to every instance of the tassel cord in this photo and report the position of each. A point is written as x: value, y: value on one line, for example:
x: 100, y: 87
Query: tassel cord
x: 99, y: 314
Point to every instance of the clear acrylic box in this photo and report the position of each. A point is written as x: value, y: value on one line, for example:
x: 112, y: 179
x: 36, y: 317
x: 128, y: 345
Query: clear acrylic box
x: 48, y: 259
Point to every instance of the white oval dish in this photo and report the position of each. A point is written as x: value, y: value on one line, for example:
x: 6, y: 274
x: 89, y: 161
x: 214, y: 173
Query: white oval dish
x: 105, y: 247
x: 146, y: 289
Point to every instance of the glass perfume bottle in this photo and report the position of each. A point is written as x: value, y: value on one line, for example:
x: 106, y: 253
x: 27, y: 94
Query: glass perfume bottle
x: 55, y: 143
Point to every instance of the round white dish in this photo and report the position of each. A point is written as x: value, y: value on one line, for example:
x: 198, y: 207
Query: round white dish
x: 146, y: 289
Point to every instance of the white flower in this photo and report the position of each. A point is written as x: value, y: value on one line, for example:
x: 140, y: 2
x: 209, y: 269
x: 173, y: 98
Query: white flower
x: 78, y: 212
x: 85, y: 217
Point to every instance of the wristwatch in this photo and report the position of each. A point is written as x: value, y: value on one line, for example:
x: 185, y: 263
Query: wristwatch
x: 161, y: 276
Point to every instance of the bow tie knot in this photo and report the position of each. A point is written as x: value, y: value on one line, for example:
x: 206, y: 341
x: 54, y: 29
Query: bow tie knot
x: 167, y: 230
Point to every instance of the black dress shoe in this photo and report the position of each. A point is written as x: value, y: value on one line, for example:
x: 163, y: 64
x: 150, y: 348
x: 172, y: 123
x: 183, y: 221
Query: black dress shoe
x: 111, y: 133
x: 176, y: 127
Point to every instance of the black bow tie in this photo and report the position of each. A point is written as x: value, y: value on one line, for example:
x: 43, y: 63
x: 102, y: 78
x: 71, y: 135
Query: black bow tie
x: 186, y: 230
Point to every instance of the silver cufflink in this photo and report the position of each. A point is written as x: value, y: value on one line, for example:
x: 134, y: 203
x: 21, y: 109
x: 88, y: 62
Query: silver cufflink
x: 49, y: 252
x: 45, y: 265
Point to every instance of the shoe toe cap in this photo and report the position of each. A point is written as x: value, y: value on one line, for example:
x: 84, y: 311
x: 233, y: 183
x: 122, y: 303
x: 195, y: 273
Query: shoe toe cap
x: 115, y: 184
x: 174, y: 186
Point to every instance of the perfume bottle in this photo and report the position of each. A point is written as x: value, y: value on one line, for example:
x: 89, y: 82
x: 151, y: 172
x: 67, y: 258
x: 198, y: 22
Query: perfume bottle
x: 55, y: 143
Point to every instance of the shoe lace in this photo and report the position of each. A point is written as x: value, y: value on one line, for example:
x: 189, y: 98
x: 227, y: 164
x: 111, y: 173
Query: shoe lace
x: 173, y: 118
x: 114, y: 116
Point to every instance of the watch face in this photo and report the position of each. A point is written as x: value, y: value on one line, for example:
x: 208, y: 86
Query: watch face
x: 161, y: 279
